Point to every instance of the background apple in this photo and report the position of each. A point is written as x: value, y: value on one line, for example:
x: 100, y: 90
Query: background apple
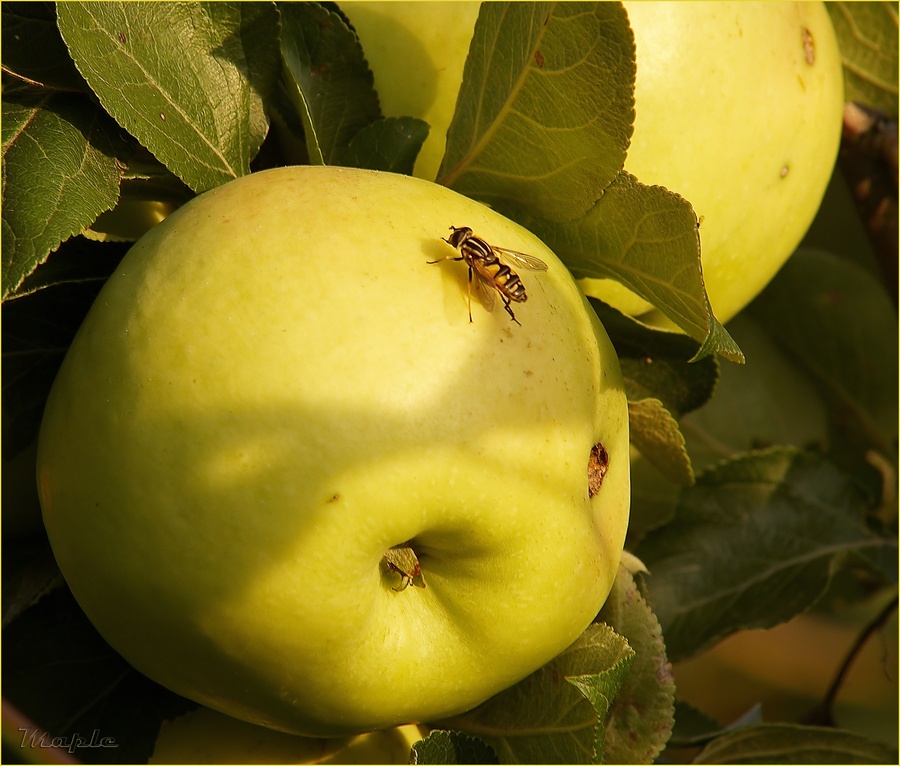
x: 738, y: 109
x: 274, y: 389
x: 205, y: 736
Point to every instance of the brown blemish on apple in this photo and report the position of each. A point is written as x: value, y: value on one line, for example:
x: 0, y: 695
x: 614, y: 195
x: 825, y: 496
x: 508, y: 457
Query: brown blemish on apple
x: 598, y: 463
x: 809, y: 46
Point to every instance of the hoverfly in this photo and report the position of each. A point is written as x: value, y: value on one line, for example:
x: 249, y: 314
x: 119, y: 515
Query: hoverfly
x: 487, y: 272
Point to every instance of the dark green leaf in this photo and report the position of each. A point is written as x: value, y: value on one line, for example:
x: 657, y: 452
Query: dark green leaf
x: 641, y: 718
x: 655, y: 362
x: 836, y: 321
x: 546, y: 108
x: 789, y: 743
x: 653, y: 499
x: 29, y: 572
x: 867, y: 35
x: 646, y: 238
x: 752, y: 545
x: 327, y: 78
x: 33, y: 49
x: 37, y: 331
x: 768, y: 401
x: 693, y: 727
x: 59, y: 173
x: 655, y: 433
x: 188, y: 80
x: 546, y: 718
x: 329, y: 84
x: 391, y: 144
x: 452, y: 747
x: 62, y: 675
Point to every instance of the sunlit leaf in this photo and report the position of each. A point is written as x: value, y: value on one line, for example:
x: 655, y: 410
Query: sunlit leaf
x: 655, y: 432
x: 552, y: 716
x: 186, y: 79
x: 646, y: 238
x: 545, y: 110
x: 59, y: 173
x: 641, y: 718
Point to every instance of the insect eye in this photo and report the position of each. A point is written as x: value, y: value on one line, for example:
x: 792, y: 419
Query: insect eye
x: 459, y: 235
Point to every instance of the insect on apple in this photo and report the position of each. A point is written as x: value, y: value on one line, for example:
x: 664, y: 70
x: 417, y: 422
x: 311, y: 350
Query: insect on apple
x: 487, y: 272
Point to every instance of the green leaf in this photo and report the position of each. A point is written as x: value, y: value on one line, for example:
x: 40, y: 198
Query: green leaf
x: 838, y: 324
x: 768, y: 401
x: 546, y: 108
x: 790, y: 743
x: 646, y: 238
x: 752, y: 545
x: 188, y: 80
x: 451, y: 747
x: 330, y: 85
x: 641, y: 718
x: 69, y: 681
x: 391, y: 144
x: 655, y: 362
x: 327, y: 78
x: 33, y: 49
x: 656, y: 434
x: 38, y: 327
x: 867, y: 35
x: 59, y: 173
x: 546, y: 718
x: 29, y: 573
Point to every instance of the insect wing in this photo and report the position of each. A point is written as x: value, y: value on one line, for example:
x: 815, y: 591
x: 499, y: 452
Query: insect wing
x: 483, y: 288
x: 519, y: 260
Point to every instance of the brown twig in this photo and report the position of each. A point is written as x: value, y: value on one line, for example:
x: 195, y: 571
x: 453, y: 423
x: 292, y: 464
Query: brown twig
x: 868, y: 160
x: 823, y: 713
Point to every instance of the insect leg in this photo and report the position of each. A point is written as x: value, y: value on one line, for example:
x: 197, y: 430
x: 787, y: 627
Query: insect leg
x: 469, y: 294
x: 509, y: 310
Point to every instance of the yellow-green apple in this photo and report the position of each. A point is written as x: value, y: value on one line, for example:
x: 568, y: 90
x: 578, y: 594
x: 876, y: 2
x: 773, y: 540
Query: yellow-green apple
x: 738, y: 109
x: 205, y: 736
x: 281, y: 385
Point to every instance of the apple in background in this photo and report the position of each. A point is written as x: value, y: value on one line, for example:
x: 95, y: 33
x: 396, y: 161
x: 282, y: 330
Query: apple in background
x: 285, y: 476
x: 738, y: 109
x: 205, y: 736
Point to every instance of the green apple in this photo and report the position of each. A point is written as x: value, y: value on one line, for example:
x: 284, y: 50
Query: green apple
x: 417, y: 51
x: 277, y: 389
x: 205, y: 736
x: 738, y: 109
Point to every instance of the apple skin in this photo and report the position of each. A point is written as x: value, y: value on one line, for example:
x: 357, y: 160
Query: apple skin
x: 729, y: 115
x: 275, y: 388
x: 417, y: 52
x: 205, y: 736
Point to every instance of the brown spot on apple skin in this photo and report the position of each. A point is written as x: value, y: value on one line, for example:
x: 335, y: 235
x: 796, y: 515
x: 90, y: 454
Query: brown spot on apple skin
x: 598, y: 463
x: 809, y: 46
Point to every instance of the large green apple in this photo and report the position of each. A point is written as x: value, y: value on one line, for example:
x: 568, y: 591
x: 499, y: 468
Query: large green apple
x: 738, y: 109
x: 275, y: 389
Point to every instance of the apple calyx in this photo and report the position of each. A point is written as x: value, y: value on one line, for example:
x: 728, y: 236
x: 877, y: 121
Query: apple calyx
x: 401, y: 566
